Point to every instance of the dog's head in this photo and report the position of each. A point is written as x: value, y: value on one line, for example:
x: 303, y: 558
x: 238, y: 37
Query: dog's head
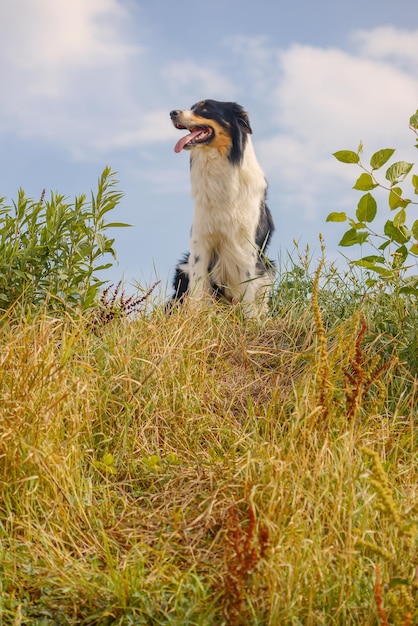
x: 222, y: 126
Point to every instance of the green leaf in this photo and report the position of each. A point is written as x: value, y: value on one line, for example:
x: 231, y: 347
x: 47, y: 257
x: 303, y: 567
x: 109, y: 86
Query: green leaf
x: 398, y: 170
x: 366, y: 208
x: 414, y: 229
x: 385, y: 244
x: 414, y: 248
x: 395, y: 198
x: 381, y: 157
x: 353, y: 236
x: 356, y: 225
x: 173, y: 459
x: 152, y: 462
x: 107, y: 464
x: 364, y: 183
x: 400, y: 218
x: 108, y: 459
x: 101, y: 242
x: 336, y: 217
x: 409, y: 290
x: 399, y: 257
x: 105, y: 266
x: 413, y: 120
x: 395, y: 234
x: 415, y: 183
x: 117, y: 225
x: 346, y: 156
x: 395, y: 582
x: 412, y: 283
x: 374, y: 259
x: 382, y: 271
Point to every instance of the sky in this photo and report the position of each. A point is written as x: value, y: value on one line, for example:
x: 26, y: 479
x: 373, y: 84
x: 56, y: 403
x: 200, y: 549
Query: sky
x: 90, y: 83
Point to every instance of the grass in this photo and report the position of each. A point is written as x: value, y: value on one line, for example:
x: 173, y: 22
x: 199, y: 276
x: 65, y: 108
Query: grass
x: 199, y: 469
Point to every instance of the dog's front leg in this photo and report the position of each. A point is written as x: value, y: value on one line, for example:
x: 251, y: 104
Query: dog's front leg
x: 256, y: 296
x: 255, y: 287
x: 199, y: 261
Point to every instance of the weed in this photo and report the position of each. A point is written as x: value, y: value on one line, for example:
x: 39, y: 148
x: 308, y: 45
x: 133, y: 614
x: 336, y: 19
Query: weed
x: 52, y: 250
x: 178, y: 469
x: 360, y: 374
x: 388, y: 264
x: 397, y: 547
x: 246, y: 543
x: 115, y: 305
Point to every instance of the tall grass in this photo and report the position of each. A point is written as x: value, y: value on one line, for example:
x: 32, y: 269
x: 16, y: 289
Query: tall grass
x: 199, y: 469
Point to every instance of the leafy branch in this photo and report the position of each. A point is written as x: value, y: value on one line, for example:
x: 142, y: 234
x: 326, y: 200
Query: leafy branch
x: 397, y: 231
x: 52, y: 250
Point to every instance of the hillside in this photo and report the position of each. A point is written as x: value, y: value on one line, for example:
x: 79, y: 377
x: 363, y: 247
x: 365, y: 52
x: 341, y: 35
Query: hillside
x: 199, y: 469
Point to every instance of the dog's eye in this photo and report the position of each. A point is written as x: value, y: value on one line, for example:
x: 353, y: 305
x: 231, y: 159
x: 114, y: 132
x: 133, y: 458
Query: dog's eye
x: 202, y: 106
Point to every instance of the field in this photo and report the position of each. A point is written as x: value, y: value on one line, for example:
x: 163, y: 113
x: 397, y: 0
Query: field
x: 200, y: 469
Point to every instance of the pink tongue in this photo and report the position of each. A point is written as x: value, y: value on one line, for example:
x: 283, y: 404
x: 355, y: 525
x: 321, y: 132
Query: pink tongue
x: 185, y: 140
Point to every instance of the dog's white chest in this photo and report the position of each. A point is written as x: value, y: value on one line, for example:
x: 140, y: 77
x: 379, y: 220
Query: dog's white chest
x: 226, y: 196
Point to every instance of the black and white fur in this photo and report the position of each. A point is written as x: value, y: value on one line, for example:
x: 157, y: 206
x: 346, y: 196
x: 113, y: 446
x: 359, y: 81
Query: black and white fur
x: 232, y: 224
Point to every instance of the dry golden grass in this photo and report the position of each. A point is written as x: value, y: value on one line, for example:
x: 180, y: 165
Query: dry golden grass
x: 198, y: 469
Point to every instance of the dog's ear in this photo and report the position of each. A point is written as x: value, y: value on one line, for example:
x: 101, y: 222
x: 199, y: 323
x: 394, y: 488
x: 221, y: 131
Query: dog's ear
x: 244, y: 122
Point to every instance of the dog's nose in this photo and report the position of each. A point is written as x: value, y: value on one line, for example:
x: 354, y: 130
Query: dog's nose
x: 174, y: 114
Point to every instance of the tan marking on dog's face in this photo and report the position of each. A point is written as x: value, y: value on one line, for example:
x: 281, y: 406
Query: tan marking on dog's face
x: 221, y: 140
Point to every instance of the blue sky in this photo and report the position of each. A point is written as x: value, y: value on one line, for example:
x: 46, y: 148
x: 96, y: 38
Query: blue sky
x: 89, y: 83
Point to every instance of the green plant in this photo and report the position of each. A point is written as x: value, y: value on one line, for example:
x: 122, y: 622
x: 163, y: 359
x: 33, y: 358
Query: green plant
x: 116, y: 304
x: 246, y: 545
x: 396, y: 545
x: 177, y: 469
x: 396, y: 249
x: 51, y: 250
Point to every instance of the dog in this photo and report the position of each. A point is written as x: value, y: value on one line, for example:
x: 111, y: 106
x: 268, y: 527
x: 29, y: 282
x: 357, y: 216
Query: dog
x: 232, y: 224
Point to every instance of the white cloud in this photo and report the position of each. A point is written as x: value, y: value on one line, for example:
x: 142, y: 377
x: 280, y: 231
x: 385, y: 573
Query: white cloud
x: 65, y: 69
x: 73, y: 75
x: 196, y: 81
x: 45, y: 39
x: 79, y: 32
x: 324, y: 100
x: 330, y: 93
x: 146, y: 128
x: 386, y: 43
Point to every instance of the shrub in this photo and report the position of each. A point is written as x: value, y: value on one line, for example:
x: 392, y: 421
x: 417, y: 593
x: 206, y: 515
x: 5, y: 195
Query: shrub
x: 52, y: 250
x: 396, y: 249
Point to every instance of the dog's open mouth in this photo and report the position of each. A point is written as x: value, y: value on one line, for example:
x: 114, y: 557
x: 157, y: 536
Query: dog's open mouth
x: 197, y: 135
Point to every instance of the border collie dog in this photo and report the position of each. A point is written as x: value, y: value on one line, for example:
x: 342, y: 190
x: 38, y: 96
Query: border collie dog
x: 232, y: 224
